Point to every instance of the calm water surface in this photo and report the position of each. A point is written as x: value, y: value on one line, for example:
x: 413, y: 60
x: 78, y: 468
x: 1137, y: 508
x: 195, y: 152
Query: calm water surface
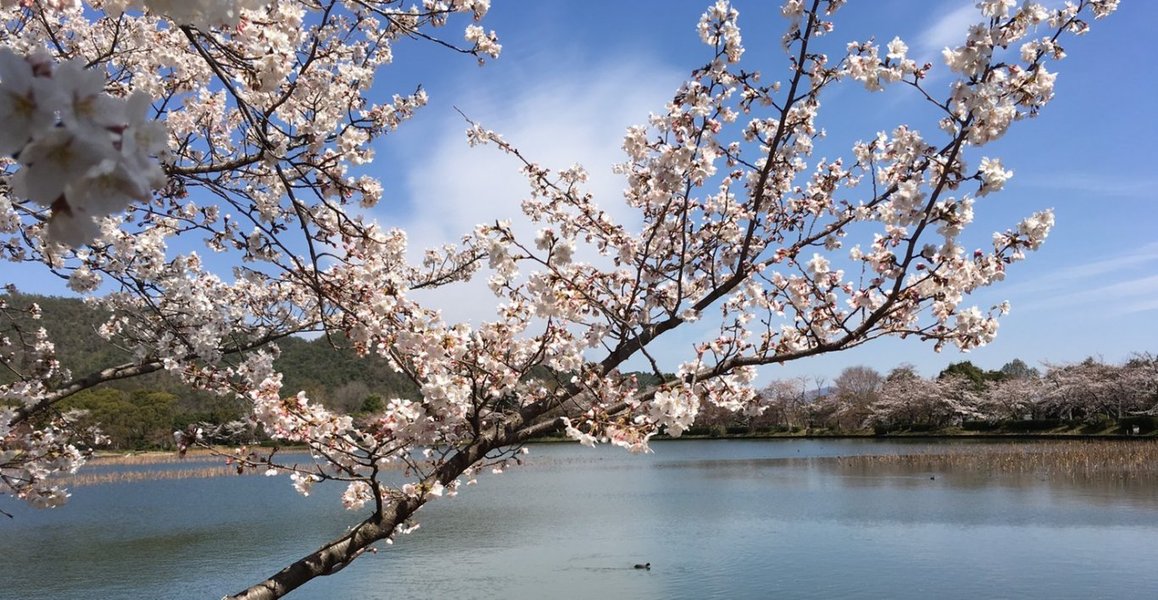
x: 717, y: 519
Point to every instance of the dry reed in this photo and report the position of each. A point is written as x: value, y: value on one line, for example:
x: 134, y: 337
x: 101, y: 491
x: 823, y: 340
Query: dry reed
x: 1061, y: 459
x: 1057, y: 459
x: 155, y: 457
x: 100, y: 478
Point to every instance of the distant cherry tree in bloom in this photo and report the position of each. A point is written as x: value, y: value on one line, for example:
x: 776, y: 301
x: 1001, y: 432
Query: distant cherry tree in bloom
x: 246, y: 127
x: 1089, y: 392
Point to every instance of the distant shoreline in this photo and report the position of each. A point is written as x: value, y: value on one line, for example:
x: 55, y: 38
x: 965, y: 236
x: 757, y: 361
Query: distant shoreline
x: 924, y: 435
x: 160, y: 455
x: 918, y: 435
x: 1103, y: 456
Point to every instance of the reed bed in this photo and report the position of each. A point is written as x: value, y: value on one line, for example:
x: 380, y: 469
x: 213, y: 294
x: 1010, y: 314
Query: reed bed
x: 154, y: 457
x: 101, y: 478
x: 1061, y: 459
x: 1078, y: 459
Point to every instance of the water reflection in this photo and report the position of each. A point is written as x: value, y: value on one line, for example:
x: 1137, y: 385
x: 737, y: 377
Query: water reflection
x: 717, y: 519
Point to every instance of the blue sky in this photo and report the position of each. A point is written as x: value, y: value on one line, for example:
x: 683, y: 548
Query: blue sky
x: 573, y: 75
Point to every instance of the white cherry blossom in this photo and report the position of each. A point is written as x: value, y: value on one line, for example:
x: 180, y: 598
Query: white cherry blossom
x: 28, y: 103
x: 244, y: 133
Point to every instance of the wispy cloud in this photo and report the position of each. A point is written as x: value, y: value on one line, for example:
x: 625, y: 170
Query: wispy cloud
x: 1143, y: 305
x: 947, y: 31
x: 1119, y: 298
x: 1126, y: 285
x: 1104, y: 185
x: 1094, y: 269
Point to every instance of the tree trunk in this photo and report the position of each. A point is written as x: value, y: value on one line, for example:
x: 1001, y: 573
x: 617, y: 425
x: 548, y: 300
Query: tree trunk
x: 330, y: 558
x: 335, y: 555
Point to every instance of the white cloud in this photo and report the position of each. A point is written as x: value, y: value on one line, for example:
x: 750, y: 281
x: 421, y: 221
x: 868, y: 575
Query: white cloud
x: 557, y: 120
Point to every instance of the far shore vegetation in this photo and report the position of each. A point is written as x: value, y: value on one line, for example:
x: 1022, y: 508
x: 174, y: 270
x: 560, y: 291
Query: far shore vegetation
x: 1074, y: 459
x: 1087, y: 399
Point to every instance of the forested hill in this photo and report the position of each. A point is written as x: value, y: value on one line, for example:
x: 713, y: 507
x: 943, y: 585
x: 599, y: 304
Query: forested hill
x: 144, y: 411
x: 323, y: 368
x: 338, y: 376
x: 334, y: 376
x: 71, y: 325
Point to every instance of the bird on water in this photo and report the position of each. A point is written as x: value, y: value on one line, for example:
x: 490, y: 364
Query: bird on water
x: 644, y: 566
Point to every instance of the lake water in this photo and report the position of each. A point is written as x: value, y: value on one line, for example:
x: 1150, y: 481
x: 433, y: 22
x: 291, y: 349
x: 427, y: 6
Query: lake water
x: 716, y: 519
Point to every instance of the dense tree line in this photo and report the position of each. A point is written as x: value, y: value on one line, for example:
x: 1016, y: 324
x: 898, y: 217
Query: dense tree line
x: 143, y: 412
x: 1090, y: 395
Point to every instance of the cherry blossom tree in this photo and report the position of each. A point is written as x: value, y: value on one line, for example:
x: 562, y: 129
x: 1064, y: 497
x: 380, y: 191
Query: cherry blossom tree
x: 1089, y: 391
x: 149, y: 127
x: 785, y: 402
x: 1092, y: 389
x: 907, y: 400
x: 1012, y: 399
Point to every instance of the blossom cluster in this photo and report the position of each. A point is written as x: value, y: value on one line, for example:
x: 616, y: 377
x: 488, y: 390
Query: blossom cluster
x: 83, y: 153
x: 776, y: 254
x: 32, y: 451
x: 201, y: 13
x: 31, y: 457
x: 87, y: 96
x: 759, y: 237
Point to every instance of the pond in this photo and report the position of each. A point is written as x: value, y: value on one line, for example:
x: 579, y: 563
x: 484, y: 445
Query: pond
x: 716, y: 519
